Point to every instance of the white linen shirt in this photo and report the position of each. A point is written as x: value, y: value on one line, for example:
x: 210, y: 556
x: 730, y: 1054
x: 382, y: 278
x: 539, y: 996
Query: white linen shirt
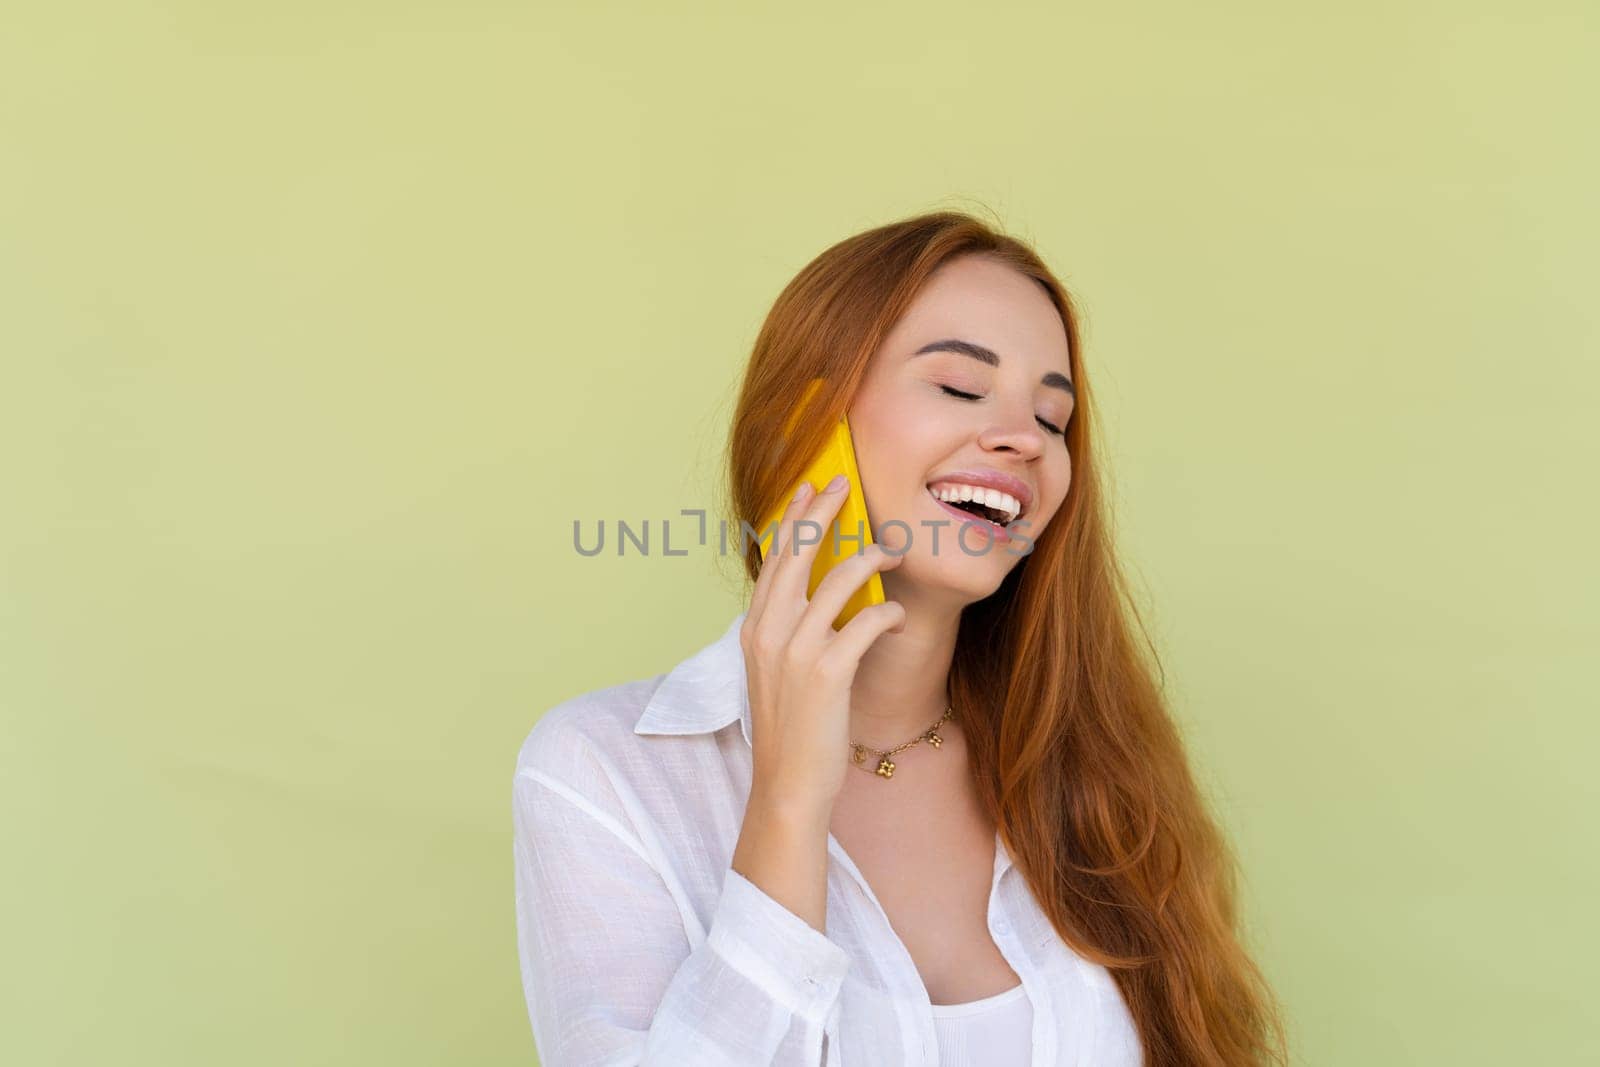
x: 640, y: 944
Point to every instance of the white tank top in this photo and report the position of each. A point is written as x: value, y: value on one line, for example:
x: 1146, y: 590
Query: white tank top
x: 996, y: 1031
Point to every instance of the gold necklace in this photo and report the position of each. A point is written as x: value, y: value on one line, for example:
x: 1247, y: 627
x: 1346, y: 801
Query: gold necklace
x: 885, y: 768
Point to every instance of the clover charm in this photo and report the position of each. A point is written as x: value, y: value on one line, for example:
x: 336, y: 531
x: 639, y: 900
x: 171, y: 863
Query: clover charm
x: 933, y: 738
x: 858, y: 753
x: 886, y: 767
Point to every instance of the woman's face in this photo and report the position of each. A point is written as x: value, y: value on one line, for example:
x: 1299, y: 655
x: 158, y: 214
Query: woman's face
x: 978, y: 329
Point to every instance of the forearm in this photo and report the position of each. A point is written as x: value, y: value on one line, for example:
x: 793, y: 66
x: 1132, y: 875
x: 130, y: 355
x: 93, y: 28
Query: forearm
x: 783, y: 849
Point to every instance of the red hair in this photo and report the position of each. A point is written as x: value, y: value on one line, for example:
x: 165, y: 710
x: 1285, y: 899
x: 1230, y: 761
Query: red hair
x: 1075, y: 755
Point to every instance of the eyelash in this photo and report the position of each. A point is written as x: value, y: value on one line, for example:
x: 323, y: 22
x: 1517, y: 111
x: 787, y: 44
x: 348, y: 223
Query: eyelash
x: 973, y: 396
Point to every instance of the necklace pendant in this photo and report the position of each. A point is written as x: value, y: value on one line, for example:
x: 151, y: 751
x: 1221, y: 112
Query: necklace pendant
x: 886, y: 767
x: 933, y: 738
x: 858, y: 753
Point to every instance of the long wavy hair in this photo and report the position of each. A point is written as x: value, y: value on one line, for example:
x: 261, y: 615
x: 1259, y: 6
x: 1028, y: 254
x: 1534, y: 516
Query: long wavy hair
x: 1076, y: 757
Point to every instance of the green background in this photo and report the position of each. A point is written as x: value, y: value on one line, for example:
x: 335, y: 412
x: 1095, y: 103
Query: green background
x: 321, y: 322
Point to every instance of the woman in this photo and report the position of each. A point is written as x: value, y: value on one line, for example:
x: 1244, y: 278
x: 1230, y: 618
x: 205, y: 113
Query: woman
x: 1025, y: 873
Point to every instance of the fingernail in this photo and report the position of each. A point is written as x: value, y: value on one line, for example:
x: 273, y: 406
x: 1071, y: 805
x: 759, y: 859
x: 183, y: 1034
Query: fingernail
x: 839, y: 482
x: 805, y: 487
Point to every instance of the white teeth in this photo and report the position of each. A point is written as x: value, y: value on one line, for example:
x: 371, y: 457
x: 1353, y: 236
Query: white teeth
x: 994, y: 498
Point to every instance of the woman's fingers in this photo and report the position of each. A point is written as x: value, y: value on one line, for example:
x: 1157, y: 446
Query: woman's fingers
x: 791, y: 584
x: 838, y: 586
x: 769, y: 563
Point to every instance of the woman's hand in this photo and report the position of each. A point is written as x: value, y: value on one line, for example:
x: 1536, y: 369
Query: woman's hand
x: 799, y: 669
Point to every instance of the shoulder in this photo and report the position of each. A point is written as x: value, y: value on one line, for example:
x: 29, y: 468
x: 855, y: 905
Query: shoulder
x: 608, y: 742
x: 567, y: 741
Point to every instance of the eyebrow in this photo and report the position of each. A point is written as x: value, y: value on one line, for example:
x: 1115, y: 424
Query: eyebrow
x: 986, y: 355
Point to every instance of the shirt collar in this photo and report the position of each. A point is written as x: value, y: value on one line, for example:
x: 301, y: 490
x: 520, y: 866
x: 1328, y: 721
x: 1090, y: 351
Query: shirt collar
x: 704, y: 693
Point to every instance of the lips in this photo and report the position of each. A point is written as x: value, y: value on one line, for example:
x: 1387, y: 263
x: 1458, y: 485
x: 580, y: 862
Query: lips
x: 989, y: 478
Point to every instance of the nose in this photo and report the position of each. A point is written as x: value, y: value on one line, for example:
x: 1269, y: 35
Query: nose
x: 1014, y: 430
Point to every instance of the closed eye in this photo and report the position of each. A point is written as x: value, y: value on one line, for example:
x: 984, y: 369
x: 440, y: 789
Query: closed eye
x: 973, y: 396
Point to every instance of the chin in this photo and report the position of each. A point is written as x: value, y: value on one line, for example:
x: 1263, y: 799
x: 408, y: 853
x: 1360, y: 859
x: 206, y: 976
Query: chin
x: 966, y: 580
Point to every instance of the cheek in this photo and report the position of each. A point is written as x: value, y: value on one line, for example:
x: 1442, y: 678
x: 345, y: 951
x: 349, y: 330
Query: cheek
x: 893, y: 451
x: 1060, y: 479
x: 893, y: 464
x: 881, y: 461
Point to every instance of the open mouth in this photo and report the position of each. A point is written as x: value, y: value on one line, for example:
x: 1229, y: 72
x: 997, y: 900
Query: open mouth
x: 990, y: 506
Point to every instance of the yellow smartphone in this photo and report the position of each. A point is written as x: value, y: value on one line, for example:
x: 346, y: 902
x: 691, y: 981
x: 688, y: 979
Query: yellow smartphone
x: 838, y: 456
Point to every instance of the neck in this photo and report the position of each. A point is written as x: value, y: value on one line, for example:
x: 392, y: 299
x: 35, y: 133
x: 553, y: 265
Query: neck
x: 900, y: 687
